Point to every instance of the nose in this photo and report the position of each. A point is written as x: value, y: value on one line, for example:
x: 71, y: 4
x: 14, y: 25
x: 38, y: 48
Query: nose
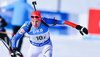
x: 34, y: 23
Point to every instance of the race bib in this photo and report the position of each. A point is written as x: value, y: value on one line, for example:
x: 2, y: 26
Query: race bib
x: 39, y: 38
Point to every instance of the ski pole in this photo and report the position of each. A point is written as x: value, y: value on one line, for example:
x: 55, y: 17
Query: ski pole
x: 11, y: 51
x: 6, y: 46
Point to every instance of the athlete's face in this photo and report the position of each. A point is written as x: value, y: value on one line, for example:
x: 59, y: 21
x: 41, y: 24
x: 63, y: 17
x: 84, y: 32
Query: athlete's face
x: 35, y: 23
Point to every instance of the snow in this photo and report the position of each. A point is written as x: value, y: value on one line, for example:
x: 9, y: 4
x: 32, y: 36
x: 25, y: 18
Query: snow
x: 63, y: 46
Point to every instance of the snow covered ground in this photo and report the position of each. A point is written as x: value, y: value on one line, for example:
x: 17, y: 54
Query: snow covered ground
x: 64, y: 46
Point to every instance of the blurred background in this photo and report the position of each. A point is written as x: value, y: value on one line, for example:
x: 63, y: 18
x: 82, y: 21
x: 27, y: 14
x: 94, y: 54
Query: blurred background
x: 67, y: 41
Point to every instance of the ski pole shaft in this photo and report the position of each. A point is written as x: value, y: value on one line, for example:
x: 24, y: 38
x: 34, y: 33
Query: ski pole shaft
x: 10, y: 50
x: 6, y: 46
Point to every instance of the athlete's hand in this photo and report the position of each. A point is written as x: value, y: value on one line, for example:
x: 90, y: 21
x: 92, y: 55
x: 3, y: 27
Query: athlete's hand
x: 19, y: 53
x: 82, y: 30
x: 15, y: 52
x: 14, y: 49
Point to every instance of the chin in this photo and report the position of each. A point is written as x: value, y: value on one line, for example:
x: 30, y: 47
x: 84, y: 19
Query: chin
x: 35, y: 27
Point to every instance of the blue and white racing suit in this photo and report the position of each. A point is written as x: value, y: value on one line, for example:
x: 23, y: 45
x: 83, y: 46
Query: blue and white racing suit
x: 39, y: 38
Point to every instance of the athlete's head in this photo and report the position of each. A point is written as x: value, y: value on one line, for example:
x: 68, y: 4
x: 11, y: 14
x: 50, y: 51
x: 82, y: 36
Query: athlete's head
x: 35, y: 15
x: 35, y: 19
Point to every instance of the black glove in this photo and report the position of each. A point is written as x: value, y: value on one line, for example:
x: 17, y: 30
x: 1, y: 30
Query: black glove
x: 19, y: 53
x: 15, y: 52
x: 82, y: 30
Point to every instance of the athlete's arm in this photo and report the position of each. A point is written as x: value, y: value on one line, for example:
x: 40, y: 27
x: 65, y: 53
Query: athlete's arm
x: 51, y: 21
x: 19, y: 34
x: 78, y: 27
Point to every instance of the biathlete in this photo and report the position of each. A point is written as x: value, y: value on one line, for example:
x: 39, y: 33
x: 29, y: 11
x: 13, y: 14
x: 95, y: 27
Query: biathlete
x: 38, y: 30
